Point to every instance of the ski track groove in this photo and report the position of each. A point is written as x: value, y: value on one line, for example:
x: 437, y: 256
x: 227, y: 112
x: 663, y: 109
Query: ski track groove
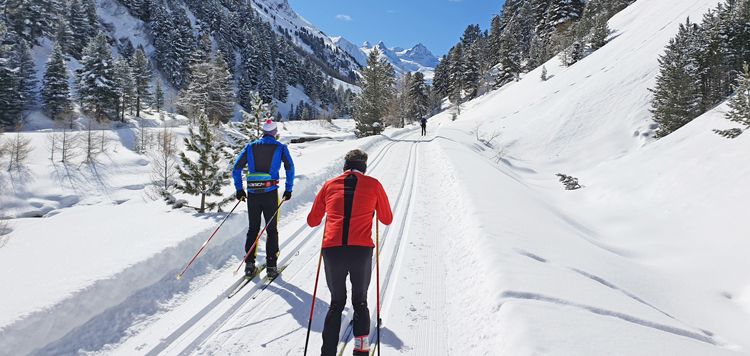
x: 195, y: 345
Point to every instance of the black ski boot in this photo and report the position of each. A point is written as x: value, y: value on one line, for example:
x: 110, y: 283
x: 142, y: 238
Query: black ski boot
x: 250, y: 270
x: 272, y: 272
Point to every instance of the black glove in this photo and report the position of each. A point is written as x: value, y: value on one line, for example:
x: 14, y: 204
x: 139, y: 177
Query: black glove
x: 287, y: 195
x: 240, y: 195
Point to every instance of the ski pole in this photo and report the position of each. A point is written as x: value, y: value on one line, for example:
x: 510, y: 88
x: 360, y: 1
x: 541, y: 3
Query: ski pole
x: 179, y: 276
x: 315, y: 292
x: 377, y: 263
x: 258, y: 237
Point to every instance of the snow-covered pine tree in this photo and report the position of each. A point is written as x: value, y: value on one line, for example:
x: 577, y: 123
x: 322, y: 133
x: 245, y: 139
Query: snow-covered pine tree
x: 79, y: 27
x: 92, y: 18
x: 31, y: 19
x: 441, y: 80
x: 64, y: 36
x: 125, y: 86
x: 158, y: 95
x: 96, y: 80
x: 203, y: 177
x: 471, y: 75
x: 562, y: 13
x: 419, y: 95
x: 141, y: 80
x: 677, y: 94
x: 249, y: 129
x: 266, y: 87
x: 739, y: 105
x: 18, y: 80
x: 55, y: 87
x: 280, y: 80
x: 378, y: 79
x: 290, y: 116
x: 455, y: 84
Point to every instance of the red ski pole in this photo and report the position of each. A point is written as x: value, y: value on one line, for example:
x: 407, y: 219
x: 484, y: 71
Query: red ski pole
x: 258, y: 238
x: 315, y: 292
x: 179, y: 276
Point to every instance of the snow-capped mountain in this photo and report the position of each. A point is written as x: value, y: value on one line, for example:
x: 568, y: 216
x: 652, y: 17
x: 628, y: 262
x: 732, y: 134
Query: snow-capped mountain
x: 415, y: 59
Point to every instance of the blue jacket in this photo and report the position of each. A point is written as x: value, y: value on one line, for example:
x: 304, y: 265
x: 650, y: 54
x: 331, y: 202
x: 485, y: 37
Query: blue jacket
x: 263, y: 158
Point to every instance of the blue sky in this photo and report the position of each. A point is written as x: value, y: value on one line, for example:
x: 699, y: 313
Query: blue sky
x: 437, y: 24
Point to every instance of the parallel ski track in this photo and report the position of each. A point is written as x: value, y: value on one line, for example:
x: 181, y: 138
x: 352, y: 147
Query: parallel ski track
x: 346, y: 322
x: 241, y: 299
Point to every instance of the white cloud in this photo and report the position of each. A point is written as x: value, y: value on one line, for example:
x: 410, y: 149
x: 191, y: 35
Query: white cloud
x: 344, y: 17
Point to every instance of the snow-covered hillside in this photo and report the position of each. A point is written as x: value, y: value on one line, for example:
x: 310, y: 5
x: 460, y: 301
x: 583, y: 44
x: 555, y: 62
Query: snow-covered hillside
x: 487, y: 254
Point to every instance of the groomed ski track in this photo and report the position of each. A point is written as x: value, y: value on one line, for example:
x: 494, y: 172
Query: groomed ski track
x: 274, y: 320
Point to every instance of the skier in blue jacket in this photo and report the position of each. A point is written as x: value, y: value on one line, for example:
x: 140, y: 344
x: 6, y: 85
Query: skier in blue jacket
x: 263, y: 159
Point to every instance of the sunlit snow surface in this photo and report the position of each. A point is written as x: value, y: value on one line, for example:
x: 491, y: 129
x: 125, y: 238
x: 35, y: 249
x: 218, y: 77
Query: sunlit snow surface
x: 484, y: 257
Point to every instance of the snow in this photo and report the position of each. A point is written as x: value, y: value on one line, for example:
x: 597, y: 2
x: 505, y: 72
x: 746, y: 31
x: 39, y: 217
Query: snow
x: 487, y: 254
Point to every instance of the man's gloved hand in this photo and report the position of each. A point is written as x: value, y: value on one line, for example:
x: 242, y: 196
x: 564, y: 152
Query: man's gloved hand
x: 287, y: 195
x: 241, y: 195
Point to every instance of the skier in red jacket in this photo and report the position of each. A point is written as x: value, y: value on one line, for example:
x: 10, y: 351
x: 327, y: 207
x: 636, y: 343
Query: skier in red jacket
x: 349, y: 200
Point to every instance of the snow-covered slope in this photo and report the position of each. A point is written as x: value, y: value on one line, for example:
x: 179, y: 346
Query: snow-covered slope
x: 488, y: 255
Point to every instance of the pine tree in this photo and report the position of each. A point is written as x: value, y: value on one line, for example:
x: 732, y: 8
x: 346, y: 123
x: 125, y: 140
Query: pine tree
x: 739, y: 104
x: 79, y: 27
x: 563, y: 12
x: 125, y: 86
x: 96, y: 80
x: 265, y: 87
x: 419, y: 95
x: 290, y: 116
x: 204, y: 176
x: 455, y: 85
x: 55, y: 88
x: 441, y: 80
x: 158, y: 95
x: 141, y: 80
x: 280, y: 82
x: 17, y: 80
x: 92, y: 18
x: 210, y: 91
x: 378, y: 79
x: 677, y: 94
x: 249, y: 129
x: 64, y: 37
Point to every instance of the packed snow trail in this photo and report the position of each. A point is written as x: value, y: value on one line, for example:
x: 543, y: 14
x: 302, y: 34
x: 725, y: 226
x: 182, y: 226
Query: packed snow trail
x: 180, y: 330
x: 279, y: 326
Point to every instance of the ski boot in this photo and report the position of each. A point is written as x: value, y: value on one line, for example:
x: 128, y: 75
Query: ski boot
x: 272, y: 272
x: 250, y: 270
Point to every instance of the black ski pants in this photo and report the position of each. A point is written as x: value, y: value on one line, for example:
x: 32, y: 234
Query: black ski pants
x: 266, y: 204
x: 356, y: 261
x: 424, y: 130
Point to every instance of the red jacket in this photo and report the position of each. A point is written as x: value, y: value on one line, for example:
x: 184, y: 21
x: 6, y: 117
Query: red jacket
x: 350, y: 200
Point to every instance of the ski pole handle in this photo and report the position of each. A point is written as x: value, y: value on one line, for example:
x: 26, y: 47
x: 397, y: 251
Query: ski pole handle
x: 258, y: 238
x: 179, y: 276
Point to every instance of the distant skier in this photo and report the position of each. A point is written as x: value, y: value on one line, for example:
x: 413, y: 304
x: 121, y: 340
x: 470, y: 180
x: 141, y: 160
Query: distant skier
x: 349, y: 200
x: 423, y: 122
x: 263, y: 159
